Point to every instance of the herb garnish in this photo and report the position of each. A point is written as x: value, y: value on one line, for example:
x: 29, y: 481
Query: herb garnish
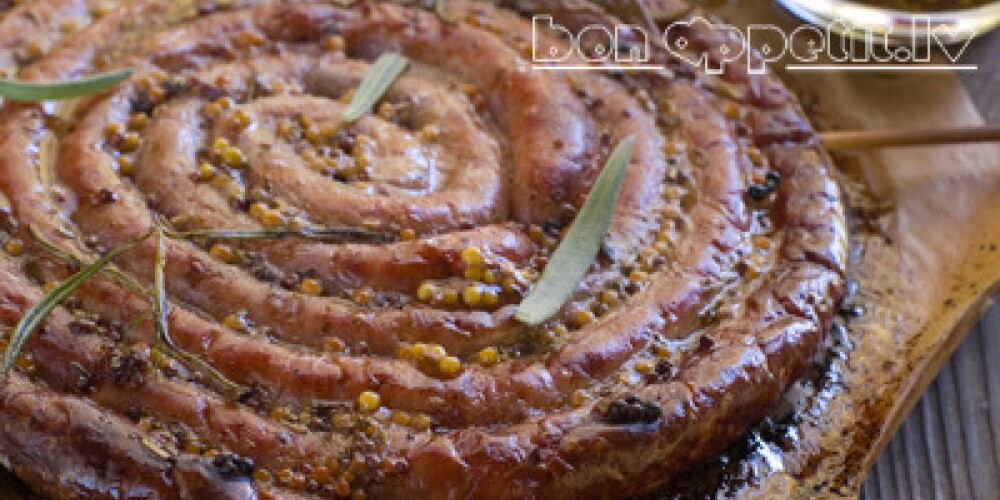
x: 380, y: 76
x: 570, y: 261
x: 37, y: 91
x: 161, y: 311
x: 34, y: 317
x: 109, y: 271
x: 321, y: 234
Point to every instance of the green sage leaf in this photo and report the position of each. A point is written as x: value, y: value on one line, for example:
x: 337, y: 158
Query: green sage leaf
x: 380, y: 76
x: 38, y: 91
x: 569, y: 263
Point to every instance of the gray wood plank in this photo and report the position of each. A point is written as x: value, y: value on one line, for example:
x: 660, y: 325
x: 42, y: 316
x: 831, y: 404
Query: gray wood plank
x: 949, y: 447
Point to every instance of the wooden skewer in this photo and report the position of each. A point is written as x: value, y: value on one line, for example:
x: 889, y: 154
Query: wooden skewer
x: 884, y: 138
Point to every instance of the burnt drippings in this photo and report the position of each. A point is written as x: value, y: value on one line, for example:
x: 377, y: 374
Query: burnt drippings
x: 233, y: 467
x: 128, y: 370
x: 760, y: 192
x: 632, y: 410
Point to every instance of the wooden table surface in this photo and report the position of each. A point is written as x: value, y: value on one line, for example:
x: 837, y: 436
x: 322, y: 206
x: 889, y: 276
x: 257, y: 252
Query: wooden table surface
x: 949, y: 446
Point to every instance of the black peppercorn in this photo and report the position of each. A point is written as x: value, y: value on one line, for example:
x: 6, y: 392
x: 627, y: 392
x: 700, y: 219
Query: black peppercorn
x: 632, y: 410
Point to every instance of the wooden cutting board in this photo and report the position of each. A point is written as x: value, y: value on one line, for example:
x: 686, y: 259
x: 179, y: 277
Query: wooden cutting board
x: 925, y: 259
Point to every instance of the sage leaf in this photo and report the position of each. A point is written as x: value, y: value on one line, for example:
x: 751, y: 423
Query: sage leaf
x: 39, y: 91
x: 575, y: 254
x: 380, y: 76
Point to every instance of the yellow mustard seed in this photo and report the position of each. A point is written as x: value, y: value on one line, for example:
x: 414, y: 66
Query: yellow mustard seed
x: 112, y: 130
x: 387, y: 110
x: 298, y: 223
x: 223, y: 253
x: 671, y: 211
x: 490, y: 297
x: 435, y: 352
x: 644, y: 366
x: 490, y: 277
x: 472, y: 295
x: 235, y: 321
x: 473, y: 273
x: 583, y: 317
x: 257, y: 210
x: 240, y: 119
x: 333, y: 43
x: 639, y: 276
x: 760, y: 242
x: 334, y: 345
x: 449, y: 297
x: 126, y: 165
x: 262, y: 476
x: 673, y: 148
x: 328, y: 131
x: 368, y: 401
x: 488, y: 356
x: 250, y: 39
x: 407, y: 234
x: 233, y: 157
x: 361, y: 296
x: 449, y: 365
x: 137, y: 121
x: 311, y: 286
x: 536, y: 234
x: 406, y: 353
x: 206, y: 171
x: 419, y: 351
x: 129, y: 143
x: 430, y: 132
x: 280, y: 413
x: 272, y: 218
x: 426, y: 292
x: 219, y: 145
x: 14, y: 247
x: 224, y: 102
x: 399, y: 418
x: 731, y: 110
x: 628, y: 378
x: 420, y: 422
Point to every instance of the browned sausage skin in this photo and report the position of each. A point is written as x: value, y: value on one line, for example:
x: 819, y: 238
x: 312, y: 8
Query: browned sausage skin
x: 395, y: 369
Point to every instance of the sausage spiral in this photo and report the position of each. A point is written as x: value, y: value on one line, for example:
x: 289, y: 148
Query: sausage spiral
x: 387, y: 364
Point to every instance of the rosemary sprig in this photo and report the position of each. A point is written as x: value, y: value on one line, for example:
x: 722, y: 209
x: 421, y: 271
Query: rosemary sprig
x: 35, y: 91
x: 164, y: 341
x: 379, y: 77
x: 570, y: 261
x: 41, y: 310
x: 110, y: 271
x: 326, y: 234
